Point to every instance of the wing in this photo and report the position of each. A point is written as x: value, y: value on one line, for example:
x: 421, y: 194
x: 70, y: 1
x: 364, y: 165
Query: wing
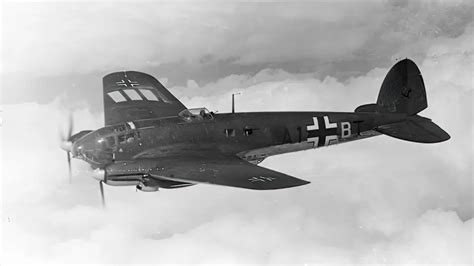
x: 227, y: 171
x: 131, y: 95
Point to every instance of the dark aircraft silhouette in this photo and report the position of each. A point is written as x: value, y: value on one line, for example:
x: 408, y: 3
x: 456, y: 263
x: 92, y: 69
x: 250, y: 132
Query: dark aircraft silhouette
x: 151, y: 140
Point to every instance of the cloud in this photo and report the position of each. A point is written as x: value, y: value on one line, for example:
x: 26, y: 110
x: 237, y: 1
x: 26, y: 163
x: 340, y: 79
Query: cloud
x: 375, y: 201
x: 101, y: 36
x: 56, y: 48
x: 434, y: 231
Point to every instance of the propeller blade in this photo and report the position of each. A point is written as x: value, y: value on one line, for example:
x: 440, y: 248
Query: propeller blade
x: 61, y: 135
x: 102, y: 193
x: 71, y: 126
x: 69, y: 165
x: 70, y: 129
x: 66, y: 143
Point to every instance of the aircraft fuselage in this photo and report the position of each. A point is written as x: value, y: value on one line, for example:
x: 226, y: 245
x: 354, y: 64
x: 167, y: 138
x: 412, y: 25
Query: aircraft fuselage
x: 250, y: 136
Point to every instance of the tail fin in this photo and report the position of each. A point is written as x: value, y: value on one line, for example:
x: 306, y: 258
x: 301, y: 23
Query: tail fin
x: 403, y: 91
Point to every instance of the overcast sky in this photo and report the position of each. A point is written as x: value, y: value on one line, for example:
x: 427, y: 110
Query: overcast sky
x: 379, y: 200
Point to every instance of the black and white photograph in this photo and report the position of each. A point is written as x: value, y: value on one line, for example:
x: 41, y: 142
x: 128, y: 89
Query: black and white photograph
x: 237, y: 132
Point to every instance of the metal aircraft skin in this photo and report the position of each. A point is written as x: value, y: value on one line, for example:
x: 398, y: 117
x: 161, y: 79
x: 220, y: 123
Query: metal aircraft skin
x: 151, y: 140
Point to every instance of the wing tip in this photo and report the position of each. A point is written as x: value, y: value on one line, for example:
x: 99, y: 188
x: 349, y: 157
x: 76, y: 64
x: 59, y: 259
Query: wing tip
x: 295, y: 183
x: 301, y: 183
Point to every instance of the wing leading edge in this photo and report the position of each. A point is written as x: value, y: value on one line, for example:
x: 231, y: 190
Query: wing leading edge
x: 232, y: 172
x: 131, y: 95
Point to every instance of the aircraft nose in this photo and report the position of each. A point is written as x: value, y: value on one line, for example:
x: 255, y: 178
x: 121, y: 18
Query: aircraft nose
x: 66, y: 146
x: 76, y: 150
x: 99, y: 174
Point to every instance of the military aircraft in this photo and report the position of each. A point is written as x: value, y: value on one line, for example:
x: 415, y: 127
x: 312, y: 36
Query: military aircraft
x: 151, y: 140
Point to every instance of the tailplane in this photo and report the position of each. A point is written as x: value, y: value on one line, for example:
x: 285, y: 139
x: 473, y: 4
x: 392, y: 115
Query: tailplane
x: 403, y: 92
x: 417, y: 129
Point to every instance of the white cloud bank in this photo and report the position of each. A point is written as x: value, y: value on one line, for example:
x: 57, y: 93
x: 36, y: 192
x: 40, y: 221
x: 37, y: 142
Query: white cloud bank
x: 96, y: 36
x: 375, y: 201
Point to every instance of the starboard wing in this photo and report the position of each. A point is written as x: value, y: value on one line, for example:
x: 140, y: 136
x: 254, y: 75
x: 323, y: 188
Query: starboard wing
x: 227, y: 171
x: 131, y: 95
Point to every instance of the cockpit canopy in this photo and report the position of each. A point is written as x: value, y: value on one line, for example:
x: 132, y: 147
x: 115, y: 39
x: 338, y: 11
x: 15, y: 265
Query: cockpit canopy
x: 196, y: 114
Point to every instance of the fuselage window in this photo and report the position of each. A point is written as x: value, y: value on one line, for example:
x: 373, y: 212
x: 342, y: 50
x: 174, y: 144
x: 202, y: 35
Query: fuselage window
x: 229, y: 132
x: 122, y: 139
x: 110, y: 141
x: 127, y: 138
x: 248, y: 131
x: 121, y: 128
x: 196, y: 114
x: 130, y: 137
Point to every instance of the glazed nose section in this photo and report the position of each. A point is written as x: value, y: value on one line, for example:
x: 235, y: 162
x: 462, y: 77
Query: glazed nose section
x: 93, y: 149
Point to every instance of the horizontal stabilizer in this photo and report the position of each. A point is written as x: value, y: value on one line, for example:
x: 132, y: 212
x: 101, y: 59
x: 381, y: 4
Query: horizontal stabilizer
x: 415, y: 128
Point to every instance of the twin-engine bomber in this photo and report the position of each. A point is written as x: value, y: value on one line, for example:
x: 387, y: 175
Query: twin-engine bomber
x: 151, y: 140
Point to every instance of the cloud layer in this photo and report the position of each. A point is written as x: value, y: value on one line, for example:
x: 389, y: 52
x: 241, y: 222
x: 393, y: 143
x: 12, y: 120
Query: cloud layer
x: 59, y: 48
x: 131, y: 35
x: 375, y: 201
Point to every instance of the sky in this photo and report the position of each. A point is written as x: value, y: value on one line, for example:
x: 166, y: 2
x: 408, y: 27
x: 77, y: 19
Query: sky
x: 379, y: 200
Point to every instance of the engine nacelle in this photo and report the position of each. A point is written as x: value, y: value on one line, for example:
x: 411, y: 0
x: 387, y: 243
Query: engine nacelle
x: 144, y: 188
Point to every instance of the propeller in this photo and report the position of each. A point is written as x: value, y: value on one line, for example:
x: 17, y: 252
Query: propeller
x: 69, y: 164
x: 101, y: 175
x: 101, y: 185
x: 66, y: 143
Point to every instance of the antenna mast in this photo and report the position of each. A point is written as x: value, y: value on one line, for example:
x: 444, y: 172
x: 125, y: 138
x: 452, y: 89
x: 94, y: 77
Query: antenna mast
x: 233, y: 101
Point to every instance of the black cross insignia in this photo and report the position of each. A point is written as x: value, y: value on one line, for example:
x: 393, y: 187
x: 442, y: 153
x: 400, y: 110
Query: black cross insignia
x: 127, y: 83
x: 318, y: 131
